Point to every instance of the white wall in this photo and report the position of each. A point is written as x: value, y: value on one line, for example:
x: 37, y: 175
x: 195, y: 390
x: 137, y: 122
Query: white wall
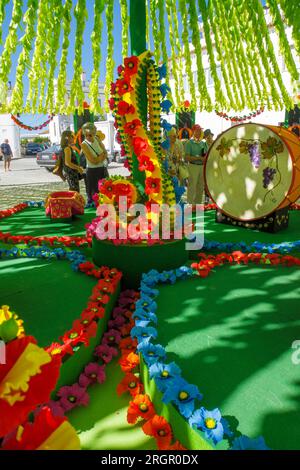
x: 9, y: 130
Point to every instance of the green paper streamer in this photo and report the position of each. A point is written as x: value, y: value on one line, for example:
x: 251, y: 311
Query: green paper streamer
x: 77, y: 95
x: 96, y: 47
x: 10, y: 46
x: 24, y: 58
x: 60, y: 106
x: 110, y: 47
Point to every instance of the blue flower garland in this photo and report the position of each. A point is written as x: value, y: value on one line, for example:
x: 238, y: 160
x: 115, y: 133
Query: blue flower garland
x: 168, y: 377
x: 43, y: 252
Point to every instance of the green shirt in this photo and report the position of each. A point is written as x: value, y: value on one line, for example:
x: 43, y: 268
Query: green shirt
x: 196, y: 149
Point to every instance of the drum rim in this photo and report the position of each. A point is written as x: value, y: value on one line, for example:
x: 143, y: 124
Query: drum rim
x: 205, y: 181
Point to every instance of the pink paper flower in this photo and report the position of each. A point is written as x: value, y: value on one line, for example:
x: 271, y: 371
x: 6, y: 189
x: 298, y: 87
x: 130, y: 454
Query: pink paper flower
x: 93, y: 373
x: 105, y: 352
x: 71, y: 396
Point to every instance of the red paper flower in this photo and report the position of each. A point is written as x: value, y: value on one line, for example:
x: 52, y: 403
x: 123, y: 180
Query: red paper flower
x: 130, y: 383
x: 131, y: 65
x: 139, y: 145
x: 141, y: 406
x: 131, y: 127
x: 152, y: 185
x: 145, y: 164
x: 159, y: 428
x: 123, y: 86
x: 125, y: 108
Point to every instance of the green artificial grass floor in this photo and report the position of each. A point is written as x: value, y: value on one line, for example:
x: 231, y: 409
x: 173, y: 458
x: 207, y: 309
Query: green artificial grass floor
x: 102, y: 425
x: 232, y: 335
x: 42, y: 294
x: 33, y: 221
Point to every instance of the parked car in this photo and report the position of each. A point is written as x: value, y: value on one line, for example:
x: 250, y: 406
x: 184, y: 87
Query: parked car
x: 33, y: 148
x: 48, y: 158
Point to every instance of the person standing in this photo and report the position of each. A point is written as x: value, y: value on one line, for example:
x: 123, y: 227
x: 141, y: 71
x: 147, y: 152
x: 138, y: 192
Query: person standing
x: 71, y: 169
x: 96, y: 159
x: 7, y: 154
x: 195, y: 150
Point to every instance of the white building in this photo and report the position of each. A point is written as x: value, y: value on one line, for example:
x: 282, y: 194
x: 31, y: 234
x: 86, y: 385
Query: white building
x: 62, y: 122
x: 210, y: 119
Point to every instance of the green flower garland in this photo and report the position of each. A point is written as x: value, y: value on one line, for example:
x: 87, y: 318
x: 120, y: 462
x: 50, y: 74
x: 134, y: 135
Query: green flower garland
x: 155, y: 34
x: 205, y: 100
x: 187, y: 53
x: 233, y: 72
x: 77, y: 94
x: 53, y: 44
x: 10, y: 46
x: 24, y: 58
x: 2, y: 16
x: 125, y: 26
x: 220, y: 55
x: 96, y: 47
x: 220, y: 100
x: 283, y: 41
x: 290, y: 9
x: 35, y: 72
x: 62, y: 76
x: 110, y: 47
x: 174, y: 58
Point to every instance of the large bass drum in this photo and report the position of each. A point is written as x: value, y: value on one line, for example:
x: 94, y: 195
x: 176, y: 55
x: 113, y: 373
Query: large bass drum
x: 252, y: 170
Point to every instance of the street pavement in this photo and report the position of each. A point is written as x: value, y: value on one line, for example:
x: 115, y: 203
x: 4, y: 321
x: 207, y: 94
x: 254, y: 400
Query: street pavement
x: 28, y: 182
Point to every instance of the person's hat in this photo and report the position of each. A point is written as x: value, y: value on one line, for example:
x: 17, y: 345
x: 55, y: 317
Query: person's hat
x: 208, y: 132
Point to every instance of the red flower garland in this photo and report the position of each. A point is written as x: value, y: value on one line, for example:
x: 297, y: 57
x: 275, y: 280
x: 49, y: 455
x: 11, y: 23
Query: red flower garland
x: 240, y: 118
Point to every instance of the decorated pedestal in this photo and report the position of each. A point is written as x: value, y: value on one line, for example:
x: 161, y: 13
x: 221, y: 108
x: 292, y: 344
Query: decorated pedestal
x: 135, y: 259
x: 64, y: 205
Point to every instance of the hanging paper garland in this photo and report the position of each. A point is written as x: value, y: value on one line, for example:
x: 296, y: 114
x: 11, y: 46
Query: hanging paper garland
x: 31, y: 128
x: 240, y: 118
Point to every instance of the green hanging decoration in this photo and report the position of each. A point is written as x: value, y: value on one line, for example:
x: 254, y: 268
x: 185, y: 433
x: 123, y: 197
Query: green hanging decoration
x: 10, y: 46
x: 234, y: 77
x: 53, y: 44
x: 290, y: 9
x: 187, y: 53
x: 110, y: 47
x: 95, y: 106
x: 283, y: 41
x: 174, y: 58
x: 238, y: 40
x: 220, y: 57
x: 24, y: 57
x: 155, y: 33
x: 178, y: 49
x: 60, y: 106
x: 2, y: 16
x: 205, y: 100
x: 35, y: 72
x: 220, y: 100
x: 77, y: 95
x: 125, y: 26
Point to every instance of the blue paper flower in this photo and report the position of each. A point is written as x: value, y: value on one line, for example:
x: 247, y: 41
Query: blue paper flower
x: 164, y: 89
x: 162, y: 71
x: 143, y: 333
x: 144, y: 315
x: 166, y: 105
x: 163, y: 374
x: 165, y: 145
x: 209, y: 422
x: 165, y: 125
x: 245, y: 443
x: 151, y: 352
x: 183, y: 395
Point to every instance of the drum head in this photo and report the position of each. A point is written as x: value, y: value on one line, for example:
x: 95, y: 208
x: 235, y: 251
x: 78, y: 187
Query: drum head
x: 248, y: 171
